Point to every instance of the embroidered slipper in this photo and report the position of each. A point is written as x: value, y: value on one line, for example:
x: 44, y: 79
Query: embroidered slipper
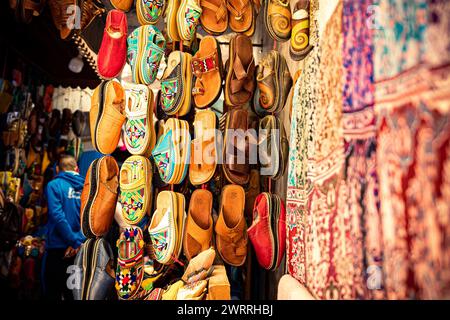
x: 240, y: 80
x: 207, y: 68
x: 214, y: 18
x: 176, y: 84
x: 188, y: 18
x: 277, y: 19
x: 140, y: 133
x: 133, y: 54
x: 300, y: 46
x: 151, y: 53
x: 199, y: 224
x: 182, y: 143
x: 130, y: 263
x: 171, y: 20
x: 135, y: 189
x: 242, y: 17
x: 203, y: 154
x: 150, y: 11
x: 164, y: 156
x: 166, y: 225
x: 231, y: 228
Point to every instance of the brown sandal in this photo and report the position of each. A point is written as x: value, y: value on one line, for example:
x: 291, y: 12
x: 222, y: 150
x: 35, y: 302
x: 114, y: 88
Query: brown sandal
x: 214, y: 18
x: 242, y: 17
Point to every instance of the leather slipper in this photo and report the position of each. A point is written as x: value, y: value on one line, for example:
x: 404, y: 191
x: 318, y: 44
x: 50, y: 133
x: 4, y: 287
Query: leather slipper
x: 277, y: 19
x: 214, y: 18
x: 188, y: 17
x: 241, y: 17
x: 199, y: 224
x: 240, y: 80
x: 203, y: 154
x: 207, y: 69
x: 231, y: 228
x: 299, y: 45
x: 149, y: 12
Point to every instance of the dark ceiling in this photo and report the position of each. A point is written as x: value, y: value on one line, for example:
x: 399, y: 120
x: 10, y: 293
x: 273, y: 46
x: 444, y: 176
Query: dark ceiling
x: 36, y: 49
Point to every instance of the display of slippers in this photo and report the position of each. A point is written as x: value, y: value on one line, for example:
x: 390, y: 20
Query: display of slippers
x: 277, y: 19
x: 274, y: 82
x: 299, y: 45
x: 106, y: 116
x: 146, y: 46
x: 140, y: 136
x: 136, y: 189
x: 203, y: 154
x: 207, y: 68
x: 167, y: 226
x: 130, y: 263
x: 268, y: 230
x: 150, y: 11
x: 113, y: 50
x: 199, y: 224
x: 214, y: 18
x: 188, y: 17
x: 231, y: 228
x: 240, y: 80
x: 176, y: 84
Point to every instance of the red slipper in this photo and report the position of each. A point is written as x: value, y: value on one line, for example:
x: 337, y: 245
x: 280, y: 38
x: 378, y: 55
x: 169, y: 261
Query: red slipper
x: 113, y: 50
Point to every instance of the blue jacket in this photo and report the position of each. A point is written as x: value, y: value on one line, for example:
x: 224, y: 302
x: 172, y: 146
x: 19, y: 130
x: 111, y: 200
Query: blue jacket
x: 63, y: 196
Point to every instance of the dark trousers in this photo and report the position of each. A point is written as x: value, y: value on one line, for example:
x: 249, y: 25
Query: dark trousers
x: 55, y: 275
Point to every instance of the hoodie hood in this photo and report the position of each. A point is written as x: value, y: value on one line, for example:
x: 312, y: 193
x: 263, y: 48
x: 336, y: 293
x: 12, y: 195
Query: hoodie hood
x: 76, y: 180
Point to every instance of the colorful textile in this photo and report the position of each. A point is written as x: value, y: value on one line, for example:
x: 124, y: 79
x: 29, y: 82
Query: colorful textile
x: 359, y: 127
x: 413, y: 110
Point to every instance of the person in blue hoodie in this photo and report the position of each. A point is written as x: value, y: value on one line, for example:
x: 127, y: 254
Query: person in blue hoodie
x: 64, y: 236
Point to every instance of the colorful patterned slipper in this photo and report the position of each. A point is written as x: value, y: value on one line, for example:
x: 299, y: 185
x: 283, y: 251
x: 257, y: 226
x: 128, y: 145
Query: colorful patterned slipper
x: 188, y: 18
x: 166, y: 225
x: 140, y: 133
x: 176, y: 84
x: 277, y: 19
x: 130, y: 263
x: 203, y: 154
x: 165, y: 156
x: 150, y: 11
x: 135, y: 189
x: 300, y: 46
x: 207, y: 67
x: 151, y: 53
x: 182, y: 143
x: 214, y: 18
x: 171, y: 20
x: 133, y: 54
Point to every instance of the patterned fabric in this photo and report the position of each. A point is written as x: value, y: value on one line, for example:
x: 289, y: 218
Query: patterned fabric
x: 359, y: 125
x: 413, y: 156
x: 159, y: 243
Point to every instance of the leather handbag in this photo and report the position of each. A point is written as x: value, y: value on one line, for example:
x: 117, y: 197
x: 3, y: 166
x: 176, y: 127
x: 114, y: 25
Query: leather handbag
x: 99, y: 197
x: 94, y: 272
